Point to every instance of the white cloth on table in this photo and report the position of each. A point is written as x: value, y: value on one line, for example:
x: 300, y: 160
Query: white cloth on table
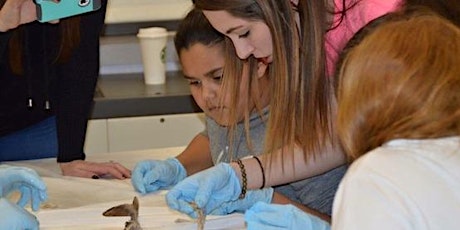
x: 78, y: 203
x: 153, y: 214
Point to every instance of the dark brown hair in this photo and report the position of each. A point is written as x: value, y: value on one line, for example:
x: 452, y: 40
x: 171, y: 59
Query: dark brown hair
x: 195, y: 29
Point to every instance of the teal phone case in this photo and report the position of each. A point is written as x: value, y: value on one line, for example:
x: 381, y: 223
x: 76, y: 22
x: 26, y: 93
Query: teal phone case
x: 48, y: 10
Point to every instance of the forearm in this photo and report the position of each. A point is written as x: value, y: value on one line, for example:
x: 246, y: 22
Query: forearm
x: 197, y: 156
x: 285, y: 167
x: 280, y: 199
x: 77, y: 83
x: 74, y: 107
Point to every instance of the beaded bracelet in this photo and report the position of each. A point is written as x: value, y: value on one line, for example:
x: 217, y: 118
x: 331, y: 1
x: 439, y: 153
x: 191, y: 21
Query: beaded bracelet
x: 262, y: 170
x: 243, y: 178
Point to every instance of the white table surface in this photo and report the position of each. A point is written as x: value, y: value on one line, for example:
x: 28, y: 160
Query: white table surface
x: 78, y: 203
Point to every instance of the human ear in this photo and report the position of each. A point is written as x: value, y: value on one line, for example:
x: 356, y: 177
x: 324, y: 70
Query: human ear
x: 261, y: 69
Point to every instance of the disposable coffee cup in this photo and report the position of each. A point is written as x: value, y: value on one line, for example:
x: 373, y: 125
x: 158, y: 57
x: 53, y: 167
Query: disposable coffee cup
x: 153, y: 49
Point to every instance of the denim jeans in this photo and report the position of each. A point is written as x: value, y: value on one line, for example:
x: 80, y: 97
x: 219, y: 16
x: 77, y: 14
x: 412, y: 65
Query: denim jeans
x: 34, y: 142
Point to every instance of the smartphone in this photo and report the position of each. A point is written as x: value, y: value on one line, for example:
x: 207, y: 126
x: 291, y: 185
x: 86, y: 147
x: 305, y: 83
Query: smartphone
x: 49, y: 10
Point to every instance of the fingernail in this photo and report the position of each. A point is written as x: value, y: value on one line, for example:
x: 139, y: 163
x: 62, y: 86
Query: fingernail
x: 95, y: 177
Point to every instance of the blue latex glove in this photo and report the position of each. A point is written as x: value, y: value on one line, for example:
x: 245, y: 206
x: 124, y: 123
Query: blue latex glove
x: 152, y: 175
x: 14, y: 217
x: 275, y: 216
x: 209, y: 189
x: 27, y: 181
x: 241, y: 205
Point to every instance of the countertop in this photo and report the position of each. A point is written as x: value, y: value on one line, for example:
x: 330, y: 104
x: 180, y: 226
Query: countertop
x: 78, y: 203
x: 126, y: 95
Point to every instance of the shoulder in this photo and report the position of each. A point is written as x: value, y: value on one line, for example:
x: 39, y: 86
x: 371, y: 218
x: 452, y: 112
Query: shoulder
x: 367, y: 10
x: 382, y: 164
x: 367, y: 188
x: 391, y: 184
x: 389, y: 153
x: 357, y: 14
x: 397, y: 162
x: 379, y: 4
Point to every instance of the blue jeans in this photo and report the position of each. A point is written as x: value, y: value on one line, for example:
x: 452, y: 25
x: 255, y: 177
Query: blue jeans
x: 34, y: 142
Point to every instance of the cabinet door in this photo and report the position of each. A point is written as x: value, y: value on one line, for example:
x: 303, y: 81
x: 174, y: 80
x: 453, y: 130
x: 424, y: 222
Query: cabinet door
x: 96, y: 137
x: 153, y: 131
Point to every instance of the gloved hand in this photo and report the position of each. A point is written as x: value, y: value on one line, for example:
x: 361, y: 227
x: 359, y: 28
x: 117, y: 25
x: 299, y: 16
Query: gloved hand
x: 14, y: 217
x: 208, y: 189
x: 151, y: 175
x: 275, y: 216
x: 27, y: 181
x: 241, y: 205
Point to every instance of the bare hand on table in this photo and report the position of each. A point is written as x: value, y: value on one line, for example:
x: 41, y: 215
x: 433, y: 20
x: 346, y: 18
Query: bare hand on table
x: 80, y: 168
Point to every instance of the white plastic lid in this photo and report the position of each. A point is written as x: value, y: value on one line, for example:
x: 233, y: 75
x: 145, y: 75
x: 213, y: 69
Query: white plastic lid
x: 152, y: 32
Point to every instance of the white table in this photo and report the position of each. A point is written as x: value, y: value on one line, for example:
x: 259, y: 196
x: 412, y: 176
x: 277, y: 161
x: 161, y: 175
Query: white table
x: 78, y: 203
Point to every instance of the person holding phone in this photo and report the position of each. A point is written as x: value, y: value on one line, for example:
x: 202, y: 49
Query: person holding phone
x: 48, y: 75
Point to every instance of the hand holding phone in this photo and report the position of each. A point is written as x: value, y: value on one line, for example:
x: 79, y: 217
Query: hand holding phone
x: 50, y: 10
x: 14, y: 13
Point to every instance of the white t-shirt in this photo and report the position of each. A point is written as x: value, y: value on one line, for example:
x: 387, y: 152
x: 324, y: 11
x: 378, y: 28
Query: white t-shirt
x: 405, y: 184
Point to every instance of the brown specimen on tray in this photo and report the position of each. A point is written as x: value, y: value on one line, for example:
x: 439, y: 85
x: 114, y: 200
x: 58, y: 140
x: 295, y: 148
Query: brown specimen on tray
x: 131, y: 210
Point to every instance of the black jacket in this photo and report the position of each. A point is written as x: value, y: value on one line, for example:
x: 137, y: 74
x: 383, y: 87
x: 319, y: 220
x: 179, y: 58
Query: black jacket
x: 69, y: 86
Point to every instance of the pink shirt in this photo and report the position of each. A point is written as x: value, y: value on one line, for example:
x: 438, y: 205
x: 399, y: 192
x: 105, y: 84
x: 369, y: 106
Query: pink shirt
x: 356, y: 17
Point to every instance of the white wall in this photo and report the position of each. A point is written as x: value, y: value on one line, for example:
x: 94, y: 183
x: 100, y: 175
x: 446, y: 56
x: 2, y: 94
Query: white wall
x: 122, y: 54
x: 127, y: 47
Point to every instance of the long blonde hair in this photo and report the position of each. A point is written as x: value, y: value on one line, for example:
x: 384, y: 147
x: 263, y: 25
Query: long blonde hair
x: 301, y: 102
x: 250, y: 94
x: 401, y: 81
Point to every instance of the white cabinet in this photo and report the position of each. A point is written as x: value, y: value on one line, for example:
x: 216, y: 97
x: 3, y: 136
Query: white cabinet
x: 153, y: 131
x: 96, y: 137
x: 135, y: 133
